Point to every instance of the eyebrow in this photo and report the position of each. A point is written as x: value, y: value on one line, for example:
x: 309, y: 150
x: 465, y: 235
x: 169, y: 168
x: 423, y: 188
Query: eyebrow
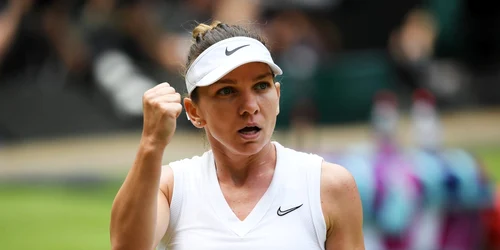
x: 225, y: 81
x: 260, y: 77
x: 231, y: 81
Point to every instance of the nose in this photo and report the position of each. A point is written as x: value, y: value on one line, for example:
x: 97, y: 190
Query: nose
x: 249, y: 104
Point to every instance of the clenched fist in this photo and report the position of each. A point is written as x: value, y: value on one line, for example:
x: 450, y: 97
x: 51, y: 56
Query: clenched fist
x: 161, y: 106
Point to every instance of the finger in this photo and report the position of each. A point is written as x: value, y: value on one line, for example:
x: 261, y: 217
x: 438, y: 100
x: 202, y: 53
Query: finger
x: 172, y: 108
x: 165, y: 90
x: 176, y: 97
x: 154, y: 92
x: 163, y: 84
x: 178, y: 109
x: 159, y: 86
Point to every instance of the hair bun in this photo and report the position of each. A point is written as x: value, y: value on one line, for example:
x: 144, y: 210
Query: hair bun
x: 200, y: 30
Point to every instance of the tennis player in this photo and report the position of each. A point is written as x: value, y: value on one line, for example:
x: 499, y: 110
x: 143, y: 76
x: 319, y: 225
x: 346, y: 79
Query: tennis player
x: 247, y: 192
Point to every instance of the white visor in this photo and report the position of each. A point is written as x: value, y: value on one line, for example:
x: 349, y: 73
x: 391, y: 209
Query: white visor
x: 225, y: 56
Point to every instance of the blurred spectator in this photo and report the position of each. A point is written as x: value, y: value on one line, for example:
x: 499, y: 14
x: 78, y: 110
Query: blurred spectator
x: 146, y: 42
x: 335, y: 53
x: 455, y: 48
x: 33, y: 33
x: 11, y: 16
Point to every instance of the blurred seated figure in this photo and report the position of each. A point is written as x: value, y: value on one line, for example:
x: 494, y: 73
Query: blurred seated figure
x: 398, y: 196
x: 426, y: 196
x: 456, y: 190
x: 389, y: 190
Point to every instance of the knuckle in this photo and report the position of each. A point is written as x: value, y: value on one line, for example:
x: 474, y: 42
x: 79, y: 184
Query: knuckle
x: 154, y: 102
x: 170, y: 90
x: 171, y: 108
x: 149, y: 94
x: 165, y: 107
x: 176, y: 106
x: 145, y: 99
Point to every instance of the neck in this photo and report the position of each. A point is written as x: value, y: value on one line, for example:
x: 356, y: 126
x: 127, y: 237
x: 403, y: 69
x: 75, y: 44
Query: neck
x: 239, y: 170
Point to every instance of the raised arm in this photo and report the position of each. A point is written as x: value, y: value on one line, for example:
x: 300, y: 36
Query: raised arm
x: 140, y: 211
x: 10, y: 18
x: 342, y: 209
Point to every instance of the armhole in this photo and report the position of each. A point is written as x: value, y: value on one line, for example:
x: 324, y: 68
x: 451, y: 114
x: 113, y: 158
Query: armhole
x: 175, y: 204
x: 314, y: 193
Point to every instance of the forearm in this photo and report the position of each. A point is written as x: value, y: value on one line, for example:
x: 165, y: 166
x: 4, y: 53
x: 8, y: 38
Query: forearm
x: 133, y: 215
x: 236, y: 11
x: 9, y: 22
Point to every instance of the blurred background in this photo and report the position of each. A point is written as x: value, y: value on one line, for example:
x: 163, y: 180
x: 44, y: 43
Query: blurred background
x: 405, y: 94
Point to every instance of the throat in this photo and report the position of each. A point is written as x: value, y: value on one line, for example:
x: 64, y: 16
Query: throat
x: 246, y: 171
x: 247, y: 177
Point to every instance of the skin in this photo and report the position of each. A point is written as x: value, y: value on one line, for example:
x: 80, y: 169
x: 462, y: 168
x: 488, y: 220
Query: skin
x: 246, y: 95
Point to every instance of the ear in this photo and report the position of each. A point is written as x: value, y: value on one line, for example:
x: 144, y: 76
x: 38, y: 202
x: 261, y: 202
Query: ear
x: 278, y: 91
x: 193, y: 113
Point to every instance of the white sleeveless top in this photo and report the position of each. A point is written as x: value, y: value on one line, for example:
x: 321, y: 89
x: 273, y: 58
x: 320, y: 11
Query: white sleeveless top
x: 288, y: 216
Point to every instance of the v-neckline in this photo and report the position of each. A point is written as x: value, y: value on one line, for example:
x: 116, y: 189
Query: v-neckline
x: 224, y: 211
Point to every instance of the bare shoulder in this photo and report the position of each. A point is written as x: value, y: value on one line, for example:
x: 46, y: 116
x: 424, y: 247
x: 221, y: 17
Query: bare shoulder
x: 167, y: 182
x: 336, y: 179
x: 339, y: 193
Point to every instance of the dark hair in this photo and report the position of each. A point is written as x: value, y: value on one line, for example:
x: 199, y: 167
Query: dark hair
x: 206, y: 35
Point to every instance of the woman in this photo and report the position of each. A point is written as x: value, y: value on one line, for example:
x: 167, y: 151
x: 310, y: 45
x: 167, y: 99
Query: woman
x: 247, y: 192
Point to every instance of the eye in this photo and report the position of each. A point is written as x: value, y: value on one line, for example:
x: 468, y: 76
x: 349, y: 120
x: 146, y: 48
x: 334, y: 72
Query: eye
x: 262, y: 85
x: 225, y: 91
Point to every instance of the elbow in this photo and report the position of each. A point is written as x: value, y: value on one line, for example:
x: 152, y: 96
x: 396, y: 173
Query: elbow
x: 120, y: 243
x: 117, y: 245
x: 124, y: 245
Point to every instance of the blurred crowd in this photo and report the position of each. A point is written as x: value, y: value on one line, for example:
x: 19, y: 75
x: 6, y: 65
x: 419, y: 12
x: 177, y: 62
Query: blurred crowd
x: 421, y: 196
x: 90, y: 61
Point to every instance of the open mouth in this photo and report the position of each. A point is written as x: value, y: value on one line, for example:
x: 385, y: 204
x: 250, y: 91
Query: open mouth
x: 249, y: 130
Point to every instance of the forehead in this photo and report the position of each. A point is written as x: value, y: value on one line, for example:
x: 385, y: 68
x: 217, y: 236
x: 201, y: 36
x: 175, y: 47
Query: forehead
x: 248, y: 71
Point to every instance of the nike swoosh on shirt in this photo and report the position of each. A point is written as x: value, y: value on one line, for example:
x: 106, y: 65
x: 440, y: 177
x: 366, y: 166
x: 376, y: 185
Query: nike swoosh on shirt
x: 284, y: 212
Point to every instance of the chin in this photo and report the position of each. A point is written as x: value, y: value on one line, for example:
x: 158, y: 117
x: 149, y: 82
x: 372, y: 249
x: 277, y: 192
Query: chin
x: 247, y: 148
x: 251, y: 148
x: 241, y: 145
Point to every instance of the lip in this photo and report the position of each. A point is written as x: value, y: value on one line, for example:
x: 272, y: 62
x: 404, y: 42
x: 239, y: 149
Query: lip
x: 252, y: 136
x: 252, y: 124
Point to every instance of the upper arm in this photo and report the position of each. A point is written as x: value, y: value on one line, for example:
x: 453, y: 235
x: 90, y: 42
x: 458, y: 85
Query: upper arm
x: 342, y: 208
x: 163, y: 206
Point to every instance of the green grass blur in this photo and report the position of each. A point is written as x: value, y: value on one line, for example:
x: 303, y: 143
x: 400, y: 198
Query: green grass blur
x: 59, y: 217
x: 491, y: 159
x: 62, y: 217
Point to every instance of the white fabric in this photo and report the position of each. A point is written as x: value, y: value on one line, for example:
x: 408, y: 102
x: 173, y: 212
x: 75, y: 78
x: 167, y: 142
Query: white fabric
x: 200, y: 217
x: 217, y: 60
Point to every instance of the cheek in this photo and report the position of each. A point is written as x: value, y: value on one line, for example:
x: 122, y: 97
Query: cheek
x: 220, y: 124
x: 270, y: 104
x: 219, y: 116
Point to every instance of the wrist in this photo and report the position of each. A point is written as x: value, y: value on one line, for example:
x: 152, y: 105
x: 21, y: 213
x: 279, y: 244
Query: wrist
x: 151, y: 143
